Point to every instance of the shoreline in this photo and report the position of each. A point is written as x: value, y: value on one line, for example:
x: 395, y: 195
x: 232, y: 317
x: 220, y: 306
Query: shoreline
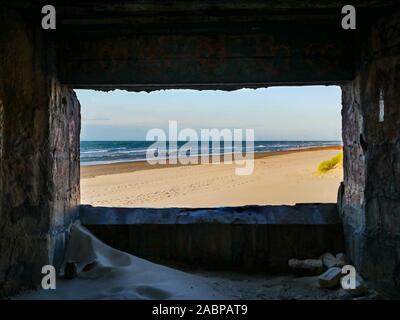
x: 92, y: 171
x: 284, y: 177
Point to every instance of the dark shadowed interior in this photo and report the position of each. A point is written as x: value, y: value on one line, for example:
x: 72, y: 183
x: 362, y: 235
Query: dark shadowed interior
x: 202, y: 45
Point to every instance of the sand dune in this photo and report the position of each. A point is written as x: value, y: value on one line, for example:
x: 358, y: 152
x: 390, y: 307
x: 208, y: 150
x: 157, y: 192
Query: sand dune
x: 119, y: 275
x: 283, y: 178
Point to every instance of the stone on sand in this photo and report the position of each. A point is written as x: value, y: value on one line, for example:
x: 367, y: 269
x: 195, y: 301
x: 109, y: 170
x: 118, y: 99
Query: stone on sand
x: 330, y: 278
x: 329, y: 260
x: 307, y: 267
x: 341, y: 260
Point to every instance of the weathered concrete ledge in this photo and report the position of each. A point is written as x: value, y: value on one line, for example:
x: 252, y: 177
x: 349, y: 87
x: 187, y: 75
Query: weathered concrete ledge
x: 257, y: 238
x: 282, y: 214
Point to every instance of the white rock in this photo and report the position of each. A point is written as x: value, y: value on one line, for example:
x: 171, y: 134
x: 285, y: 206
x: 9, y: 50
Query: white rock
x: 341, y: 260
x: 307, y: 267
x: 329, y: 260
x: 330, y: 278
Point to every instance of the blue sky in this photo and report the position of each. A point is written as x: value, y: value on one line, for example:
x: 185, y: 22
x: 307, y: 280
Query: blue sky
x: 276, y: 113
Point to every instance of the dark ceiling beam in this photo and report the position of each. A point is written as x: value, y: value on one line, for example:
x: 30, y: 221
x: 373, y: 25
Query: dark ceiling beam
x: 304, y: 54
x: 163, y: 6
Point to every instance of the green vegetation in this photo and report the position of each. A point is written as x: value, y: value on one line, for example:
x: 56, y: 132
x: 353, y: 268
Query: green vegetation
x: 335, y: 162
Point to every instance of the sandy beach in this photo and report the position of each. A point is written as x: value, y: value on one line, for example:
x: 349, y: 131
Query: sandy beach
x: 278, y: 178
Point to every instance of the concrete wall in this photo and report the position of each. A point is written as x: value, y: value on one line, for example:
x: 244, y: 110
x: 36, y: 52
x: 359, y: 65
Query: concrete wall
x: 40, y: 163
x: 1, y: 134
x: 1, y: 149
x: 371, y: 200
x: 252, y: 238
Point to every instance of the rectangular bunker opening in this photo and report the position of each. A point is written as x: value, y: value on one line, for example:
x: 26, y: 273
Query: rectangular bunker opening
x: 266, y: 146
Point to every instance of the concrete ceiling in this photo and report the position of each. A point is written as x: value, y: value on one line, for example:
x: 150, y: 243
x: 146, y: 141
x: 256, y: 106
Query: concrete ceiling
x: 154, y: 6
x: 92, y: 17
x: 141, y: 43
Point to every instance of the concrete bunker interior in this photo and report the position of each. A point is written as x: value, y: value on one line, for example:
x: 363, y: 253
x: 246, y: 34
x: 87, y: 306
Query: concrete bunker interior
x: 201, y: 45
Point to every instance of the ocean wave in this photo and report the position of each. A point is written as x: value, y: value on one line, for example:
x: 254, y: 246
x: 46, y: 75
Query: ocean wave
x: 113, y: 152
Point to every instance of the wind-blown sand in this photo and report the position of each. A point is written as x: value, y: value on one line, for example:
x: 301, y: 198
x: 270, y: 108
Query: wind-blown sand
x: 278, y: 178
x: 119, y: 276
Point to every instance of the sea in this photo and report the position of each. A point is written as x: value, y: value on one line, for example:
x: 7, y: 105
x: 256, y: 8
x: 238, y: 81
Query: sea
x: 105, y: 152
